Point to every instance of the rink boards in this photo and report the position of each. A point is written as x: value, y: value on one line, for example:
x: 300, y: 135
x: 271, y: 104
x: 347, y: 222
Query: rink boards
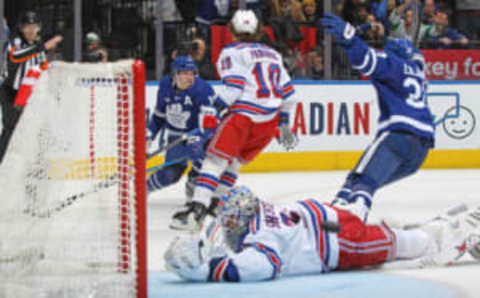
x: 336, y: 120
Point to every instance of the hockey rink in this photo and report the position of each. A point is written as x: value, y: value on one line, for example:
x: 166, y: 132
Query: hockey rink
x: 416, y: 198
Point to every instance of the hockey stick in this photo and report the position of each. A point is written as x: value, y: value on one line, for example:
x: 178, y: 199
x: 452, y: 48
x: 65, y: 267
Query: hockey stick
x: 166, y: 164
x: 168, y: 146
x: 71, y: 199
x: 111, y: 181
x: 417, y: 19
x: 25, y: 255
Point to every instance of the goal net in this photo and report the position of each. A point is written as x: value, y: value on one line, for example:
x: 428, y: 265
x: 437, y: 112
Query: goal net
x: 72, y: 213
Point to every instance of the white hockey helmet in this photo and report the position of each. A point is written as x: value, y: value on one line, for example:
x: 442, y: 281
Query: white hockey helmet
x: 236, y: 208
x: 244, y: 21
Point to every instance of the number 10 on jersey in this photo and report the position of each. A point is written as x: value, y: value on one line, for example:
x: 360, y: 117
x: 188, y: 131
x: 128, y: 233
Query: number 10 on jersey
x: 269, y: 84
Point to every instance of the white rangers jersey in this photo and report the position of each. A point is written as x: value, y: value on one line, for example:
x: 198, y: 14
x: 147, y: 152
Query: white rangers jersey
x: 258, y: 72
x: 281, y: 240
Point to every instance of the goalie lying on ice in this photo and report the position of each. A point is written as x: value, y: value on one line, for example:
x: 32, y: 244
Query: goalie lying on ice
x: 253, y: 240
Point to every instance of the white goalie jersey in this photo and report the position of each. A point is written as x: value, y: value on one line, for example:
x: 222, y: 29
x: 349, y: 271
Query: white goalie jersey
x: 281, y: 240
x: 256, y: 83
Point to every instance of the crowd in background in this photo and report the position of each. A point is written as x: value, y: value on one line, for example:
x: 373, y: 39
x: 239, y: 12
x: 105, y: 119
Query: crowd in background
x: 445, y: 24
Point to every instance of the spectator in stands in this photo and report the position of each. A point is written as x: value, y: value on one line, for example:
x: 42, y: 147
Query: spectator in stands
x: 468, y: 18
x: 95, y: 52
x: 428, y: 12
x: 447, y: 36
x: 309, y: 9
x: 287, y: 8
x: 206, y: 70
x: 402, y: 24
x: 354, y: 11
x: 169, y: 11
x: 315, y: 64
x: 372, y: 31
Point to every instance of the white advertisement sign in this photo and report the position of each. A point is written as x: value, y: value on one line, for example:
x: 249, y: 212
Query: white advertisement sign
x: 342, y: 116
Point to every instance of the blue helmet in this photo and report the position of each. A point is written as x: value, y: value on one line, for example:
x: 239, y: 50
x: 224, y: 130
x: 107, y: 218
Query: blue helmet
x: 405, y: 49
x: 183, y: 63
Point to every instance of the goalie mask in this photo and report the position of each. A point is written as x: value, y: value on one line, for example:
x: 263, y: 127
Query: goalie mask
x: 237, y: 208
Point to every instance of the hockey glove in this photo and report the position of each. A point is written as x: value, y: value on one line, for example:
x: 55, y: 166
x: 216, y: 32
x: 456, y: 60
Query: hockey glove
x: 149, y: 140
x: 207, y: 119
x: 285, y: 136
x: 336, y: 26
x: 185, y: 258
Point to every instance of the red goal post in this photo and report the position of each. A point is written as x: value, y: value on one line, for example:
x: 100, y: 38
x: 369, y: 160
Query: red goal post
x: 74, y: 221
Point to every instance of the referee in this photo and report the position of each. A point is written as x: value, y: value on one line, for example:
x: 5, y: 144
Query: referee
x: 24, y: 50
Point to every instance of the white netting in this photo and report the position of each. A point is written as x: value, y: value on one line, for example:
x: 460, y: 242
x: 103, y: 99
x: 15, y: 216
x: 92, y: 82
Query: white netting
x: 68, y: 212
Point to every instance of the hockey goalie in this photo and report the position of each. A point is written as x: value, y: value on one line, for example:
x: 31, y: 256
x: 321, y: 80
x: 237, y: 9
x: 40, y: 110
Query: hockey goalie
x: 253, y: 240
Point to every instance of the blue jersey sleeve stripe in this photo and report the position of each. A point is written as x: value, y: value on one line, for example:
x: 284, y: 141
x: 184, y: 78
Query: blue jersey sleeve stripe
x: 366, y: 59
x: 373, y: 65
x: 271, y: 256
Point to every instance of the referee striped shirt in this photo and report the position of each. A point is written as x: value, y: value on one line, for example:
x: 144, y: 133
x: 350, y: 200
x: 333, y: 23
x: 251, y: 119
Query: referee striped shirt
x: 22, y: 56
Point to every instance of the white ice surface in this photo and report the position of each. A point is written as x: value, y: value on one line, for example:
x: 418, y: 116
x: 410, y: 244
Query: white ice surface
x: 416, y: 198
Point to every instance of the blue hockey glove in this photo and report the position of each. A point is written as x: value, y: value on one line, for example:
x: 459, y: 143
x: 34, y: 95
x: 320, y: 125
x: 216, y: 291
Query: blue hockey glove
x: 336, y: 26
x: 285, y: 136
x: 196, y: 145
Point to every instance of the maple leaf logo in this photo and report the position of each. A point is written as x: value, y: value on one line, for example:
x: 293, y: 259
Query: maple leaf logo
x: 176, y: 116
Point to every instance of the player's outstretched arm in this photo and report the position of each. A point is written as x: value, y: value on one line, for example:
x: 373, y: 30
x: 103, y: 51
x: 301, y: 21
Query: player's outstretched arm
x: 194, y: 259
x: 362, y: 57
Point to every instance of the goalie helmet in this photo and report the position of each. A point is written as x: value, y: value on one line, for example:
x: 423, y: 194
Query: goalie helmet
x: 237, y: 208
x: 244, y: 21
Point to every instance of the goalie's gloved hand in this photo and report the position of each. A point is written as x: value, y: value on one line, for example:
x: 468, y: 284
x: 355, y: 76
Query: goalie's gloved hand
x: 285, y: 136
x: 334, y: 25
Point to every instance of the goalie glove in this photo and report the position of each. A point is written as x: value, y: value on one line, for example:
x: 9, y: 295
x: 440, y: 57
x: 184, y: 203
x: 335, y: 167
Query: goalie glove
x: 285, y: 136
x: 186, y: 258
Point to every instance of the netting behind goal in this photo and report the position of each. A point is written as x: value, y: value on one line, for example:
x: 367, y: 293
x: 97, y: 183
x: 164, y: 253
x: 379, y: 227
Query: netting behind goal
x: 72, y: 213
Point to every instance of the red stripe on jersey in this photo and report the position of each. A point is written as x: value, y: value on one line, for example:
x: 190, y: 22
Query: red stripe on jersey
x: 320, y: 237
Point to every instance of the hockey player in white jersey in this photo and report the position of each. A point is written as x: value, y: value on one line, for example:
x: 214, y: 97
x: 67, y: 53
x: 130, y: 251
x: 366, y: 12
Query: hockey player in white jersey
x: 257, y: 95
x: 254, y: 240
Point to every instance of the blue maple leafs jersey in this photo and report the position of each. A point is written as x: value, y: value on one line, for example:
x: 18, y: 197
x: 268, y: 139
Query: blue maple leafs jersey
x: 178, y: 110
x: 401, y: 87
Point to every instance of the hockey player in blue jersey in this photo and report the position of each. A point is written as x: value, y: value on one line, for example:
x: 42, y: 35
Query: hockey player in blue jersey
x: 405, y: 126
x: 184, y: 103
